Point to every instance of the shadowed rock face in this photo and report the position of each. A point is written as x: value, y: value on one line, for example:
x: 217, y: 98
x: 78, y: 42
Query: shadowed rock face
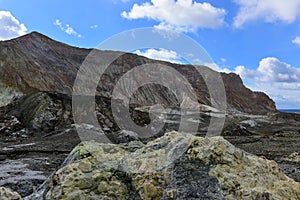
x: 35, y: 62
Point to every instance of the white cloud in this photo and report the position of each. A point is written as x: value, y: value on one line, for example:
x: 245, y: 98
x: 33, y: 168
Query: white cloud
x: 244, y: 72
x: 10, y: 27
x: 66, y: 28
x: 296, y: 41
x: 223, y: 60
x: 179, y: 15
x: 216, y: 67
x: 268, y: 10
x: 58, y: 23
x: 213, y: 66
x: 94, y: 26
x: 160, y: 54
x: 271, y: 69
x: 285, y: 96
x: 276, y: 78
x: 174, y: 57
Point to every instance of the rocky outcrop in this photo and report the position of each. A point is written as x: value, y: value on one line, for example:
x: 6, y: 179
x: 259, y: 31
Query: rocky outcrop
x: 175, y: 166
x: 36, y: 112
x: 35, y: 62
x: 294, y: 157
x: 243, y: 99
x: 7, y: 94
x: 7, y: 194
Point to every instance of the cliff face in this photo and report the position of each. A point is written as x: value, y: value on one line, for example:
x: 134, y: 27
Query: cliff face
x: 35, y: 62
x: 241, y: 98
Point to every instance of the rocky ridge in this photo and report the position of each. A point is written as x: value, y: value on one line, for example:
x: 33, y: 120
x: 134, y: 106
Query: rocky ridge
x: 35, y: 62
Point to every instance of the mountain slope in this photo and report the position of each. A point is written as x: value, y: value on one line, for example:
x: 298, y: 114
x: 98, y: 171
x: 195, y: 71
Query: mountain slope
x: 35, y: 62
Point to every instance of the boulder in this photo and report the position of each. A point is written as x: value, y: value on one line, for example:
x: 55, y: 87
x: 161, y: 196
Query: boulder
x: 175, y: 166
x: 8, y: 194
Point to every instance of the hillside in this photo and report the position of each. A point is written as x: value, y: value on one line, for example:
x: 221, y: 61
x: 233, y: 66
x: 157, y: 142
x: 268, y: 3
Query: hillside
x: 35, y: 62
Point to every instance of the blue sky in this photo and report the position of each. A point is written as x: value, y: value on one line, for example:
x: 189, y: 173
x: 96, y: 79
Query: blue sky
x: 258, y: 39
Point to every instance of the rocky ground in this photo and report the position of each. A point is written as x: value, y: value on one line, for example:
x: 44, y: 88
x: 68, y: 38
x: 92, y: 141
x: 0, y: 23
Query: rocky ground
x: 37, y: 137
x: 274, y: 136
x: 174, y: 166
x: 38, y: 129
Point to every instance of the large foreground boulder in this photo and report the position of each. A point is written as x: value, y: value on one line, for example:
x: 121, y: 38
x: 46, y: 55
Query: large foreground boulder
x: 175, y: 166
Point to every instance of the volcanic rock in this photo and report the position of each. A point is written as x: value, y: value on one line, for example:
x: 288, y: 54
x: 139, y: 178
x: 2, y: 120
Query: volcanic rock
x: 175, y: 166
x: 37, y: 126
x: 7, y: 194
x: 35, y: 62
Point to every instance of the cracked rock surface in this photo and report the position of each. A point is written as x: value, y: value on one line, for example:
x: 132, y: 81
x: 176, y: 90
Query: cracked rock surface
x: 175, y: 166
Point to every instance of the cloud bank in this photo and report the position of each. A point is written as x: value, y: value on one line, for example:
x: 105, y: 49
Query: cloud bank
x: 10, y: 27
x: 160, y: 54
x: 179, y: 15
x: 267, y: 10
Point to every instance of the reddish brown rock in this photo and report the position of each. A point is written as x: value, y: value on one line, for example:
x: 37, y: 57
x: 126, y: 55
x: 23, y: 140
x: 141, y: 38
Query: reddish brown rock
x: 35, y: 62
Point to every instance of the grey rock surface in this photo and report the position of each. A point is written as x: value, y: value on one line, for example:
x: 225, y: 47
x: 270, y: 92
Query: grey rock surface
x: 175, y: 166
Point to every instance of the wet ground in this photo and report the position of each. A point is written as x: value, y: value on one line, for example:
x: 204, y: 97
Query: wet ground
x: 25, y: 164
